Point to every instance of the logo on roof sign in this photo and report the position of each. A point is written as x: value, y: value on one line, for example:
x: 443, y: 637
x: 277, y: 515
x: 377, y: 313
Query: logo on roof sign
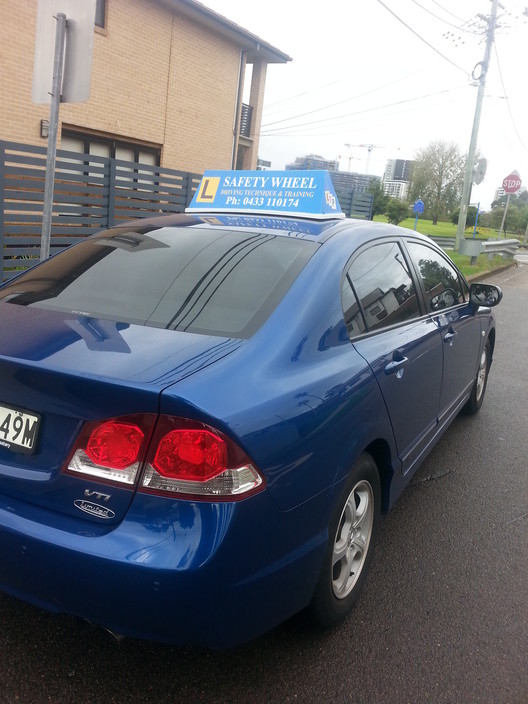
x: 207, y: 190
x: 331, y: 200
x: 302, y: 193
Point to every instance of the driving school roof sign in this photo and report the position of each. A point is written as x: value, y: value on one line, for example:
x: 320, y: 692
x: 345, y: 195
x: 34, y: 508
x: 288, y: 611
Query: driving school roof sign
x: 302, y: 193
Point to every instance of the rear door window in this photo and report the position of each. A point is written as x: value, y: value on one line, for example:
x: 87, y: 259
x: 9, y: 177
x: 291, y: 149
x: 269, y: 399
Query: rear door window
x: 378, y: 290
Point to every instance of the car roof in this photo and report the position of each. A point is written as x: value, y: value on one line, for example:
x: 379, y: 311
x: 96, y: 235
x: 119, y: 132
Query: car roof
x: 318, y: 231
x: 286, y: 226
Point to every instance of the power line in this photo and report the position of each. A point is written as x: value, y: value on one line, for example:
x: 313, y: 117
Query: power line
x: 326, y: 85
x: 312, y: 129
x: 340, y: 102
x: 447, y: 11
x: 425, y: 9
x: 359, y: 112
x: 345, y: 126
x: 506, y: 98
x: 422, y: 39
x: 307, y: 92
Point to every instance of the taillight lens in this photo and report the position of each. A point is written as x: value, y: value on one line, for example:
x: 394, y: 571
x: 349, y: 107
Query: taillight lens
x: 192, y: 459
x: 190, y: 454
x: 181, y: 457
x: 114, y: 444
x: 113, y: 449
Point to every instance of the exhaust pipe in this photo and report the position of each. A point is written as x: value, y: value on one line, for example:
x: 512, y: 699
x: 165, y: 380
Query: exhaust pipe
x: 117, y: 637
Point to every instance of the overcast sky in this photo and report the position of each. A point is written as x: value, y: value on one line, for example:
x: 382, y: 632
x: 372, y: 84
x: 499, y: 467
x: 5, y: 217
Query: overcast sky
x: 395, y: 74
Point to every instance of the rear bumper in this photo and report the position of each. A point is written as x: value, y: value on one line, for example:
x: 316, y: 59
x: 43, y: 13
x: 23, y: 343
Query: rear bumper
x: 214, y: 575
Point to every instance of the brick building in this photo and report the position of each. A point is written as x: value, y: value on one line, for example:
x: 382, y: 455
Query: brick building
x: 167, y: 85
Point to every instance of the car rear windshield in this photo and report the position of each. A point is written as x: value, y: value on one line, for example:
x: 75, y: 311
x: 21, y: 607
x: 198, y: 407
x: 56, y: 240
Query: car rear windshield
x: 196, y: 279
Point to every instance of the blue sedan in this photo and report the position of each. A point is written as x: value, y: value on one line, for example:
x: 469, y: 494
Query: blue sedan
x: 203, y: 416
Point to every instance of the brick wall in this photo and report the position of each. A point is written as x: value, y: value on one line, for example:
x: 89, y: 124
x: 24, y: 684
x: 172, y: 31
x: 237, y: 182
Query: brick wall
x: 157, y: 78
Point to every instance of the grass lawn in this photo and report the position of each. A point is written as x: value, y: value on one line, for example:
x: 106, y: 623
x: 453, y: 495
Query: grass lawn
x: 483, y: 266
x: 447, y: 229
x: 442, y: 229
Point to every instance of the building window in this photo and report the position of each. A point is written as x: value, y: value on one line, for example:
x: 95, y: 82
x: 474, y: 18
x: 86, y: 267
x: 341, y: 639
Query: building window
x: 100, y: 13
x: 110, y: 147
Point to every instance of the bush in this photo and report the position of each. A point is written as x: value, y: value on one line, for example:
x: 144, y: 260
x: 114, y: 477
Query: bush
x: 470, y: 219
x: 397, y: 211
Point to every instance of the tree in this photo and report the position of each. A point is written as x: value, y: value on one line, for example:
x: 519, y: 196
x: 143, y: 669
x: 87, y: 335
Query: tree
x: 516, y: 217
x: 397, y: 211
x: 470, y: 219
x: 518, y: 199
x: 492, y: 218
x: 432, y: 272
x: 438, y: 178
x: 381, y: 199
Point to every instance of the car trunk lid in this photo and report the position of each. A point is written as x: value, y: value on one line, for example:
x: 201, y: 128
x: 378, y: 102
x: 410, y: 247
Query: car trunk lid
x: 58, y: 371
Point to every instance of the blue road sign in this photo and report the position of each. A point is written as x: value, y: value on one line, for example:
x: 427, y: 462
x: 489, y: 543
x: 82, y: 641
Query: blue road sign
x: 418, y: 207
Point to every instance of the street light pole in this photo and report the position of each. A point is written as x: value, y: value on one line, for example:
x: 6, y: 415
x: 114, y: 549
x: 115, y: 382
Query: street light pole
x: 470, y: 161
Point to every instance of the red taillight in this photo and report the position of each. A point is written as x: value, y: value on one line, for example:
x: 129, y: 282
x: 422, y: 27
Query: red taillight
x: 114, y: 444
x: 113, y: 449
x: 179, y: 457
x: 190, y: 454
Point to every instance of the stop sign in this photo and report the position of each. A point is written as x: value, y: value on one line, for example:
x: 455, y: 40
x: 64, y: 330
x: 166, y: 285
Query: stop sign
x: 512, y: 183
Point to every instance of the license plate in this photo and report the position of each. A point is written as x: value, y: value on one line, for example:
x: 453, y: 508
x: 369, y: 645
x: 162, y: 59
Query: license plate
x: 18, y: 429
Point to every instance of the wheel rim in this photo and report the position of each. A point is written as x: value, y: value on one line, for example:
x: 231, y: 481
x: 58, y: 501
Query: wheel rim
x: 352, y: 539
x: 482, y: 373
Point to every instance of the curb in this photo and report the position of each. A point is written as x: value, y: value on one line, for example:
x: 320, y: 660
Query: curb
x: 487, y: 274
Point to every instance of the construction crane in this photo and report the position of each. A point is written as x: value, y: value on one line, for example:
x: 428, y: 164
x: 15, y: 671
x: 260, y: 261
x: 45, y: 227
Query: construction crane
x: 368, y: 147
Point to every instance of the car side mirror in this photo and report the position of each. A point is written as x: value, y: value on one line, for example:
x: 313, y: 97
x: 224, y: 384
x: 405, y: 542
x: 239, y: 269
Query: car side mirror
x: 485, y: 295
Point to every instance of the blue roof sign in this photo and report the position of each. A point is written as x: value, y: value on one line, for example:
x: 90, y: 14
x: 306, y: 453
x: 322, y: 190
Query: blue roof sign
x: 308, y: 194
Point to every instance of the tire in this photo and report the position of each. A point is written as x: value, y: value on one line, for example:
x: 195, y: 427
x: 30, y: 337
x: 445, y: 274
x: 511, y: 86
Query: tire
x: 481, y: 381
x: 352, y: 530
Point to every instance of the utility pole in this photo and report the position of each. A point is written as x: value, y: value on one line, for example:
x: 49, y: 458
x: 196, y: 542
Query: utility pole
x: 470, y: 162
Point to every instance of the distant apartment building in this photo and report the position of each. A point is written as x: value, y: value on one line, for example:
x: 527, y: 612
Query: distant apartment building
x: 350, y: 181
x: 500, y: 193
x: 398, y: 170
x: 343, y: 180
x: 397, y: 177
x: 396, y: 189
x: 311, y: 162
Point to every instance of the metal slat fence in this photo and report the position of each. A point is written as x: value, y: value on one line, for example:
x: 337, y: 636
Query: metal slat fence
x: 91, y: 193
x: 356, y: 204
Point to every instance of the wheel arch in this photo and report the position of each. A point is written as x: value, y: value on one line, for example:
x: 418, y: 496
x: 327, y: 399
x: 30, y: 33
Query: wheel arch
x: 379, y: 450
x: 491, y: 339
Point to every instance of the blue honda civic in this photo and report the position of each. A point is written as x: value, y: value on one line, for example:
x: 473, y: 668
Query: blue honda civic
x: 203, y: 416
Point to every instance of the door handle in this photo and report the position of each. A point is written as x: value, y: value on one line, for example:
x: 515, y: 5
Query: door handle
x: 396, y: 367
x: 450, y: 336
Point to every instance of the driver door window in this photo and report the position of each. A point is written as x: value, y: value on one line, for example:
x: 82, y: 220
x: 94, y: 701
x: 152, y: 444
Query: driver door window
x: 442, y: 284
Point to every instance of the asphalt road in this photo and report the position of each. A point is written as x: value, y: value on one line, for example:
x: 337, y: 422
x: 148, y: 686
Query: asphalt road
x: 443, y: 618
